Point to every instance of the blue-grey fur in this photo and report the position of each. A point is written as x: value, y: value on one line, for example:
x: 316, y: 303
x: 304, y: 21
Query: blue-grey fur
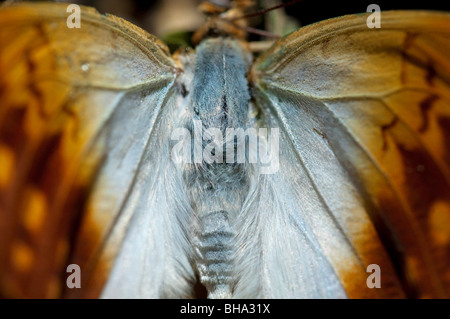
x: 219, y: 99
x: 246, y: 234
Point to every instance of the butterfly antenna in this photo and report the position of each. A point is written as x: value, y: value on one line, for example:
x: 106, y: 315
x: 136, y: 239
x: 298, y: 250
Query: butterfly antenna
x: 264, y: 11
x: 261, y: 33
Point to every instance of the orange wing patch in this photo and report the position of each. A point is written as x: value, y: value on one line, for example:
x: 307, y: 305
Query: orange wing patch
x: 41, y: 197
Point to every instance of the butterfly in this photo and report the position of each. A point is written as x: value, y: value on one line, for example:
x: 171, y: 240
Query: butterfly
x: 90, y: 175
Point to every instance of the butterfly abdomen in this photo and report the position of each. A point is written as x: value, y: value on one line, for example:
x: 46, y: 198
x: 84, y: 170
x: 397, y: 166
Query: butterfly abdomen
x: 216, y: 249
x: 217, y: 186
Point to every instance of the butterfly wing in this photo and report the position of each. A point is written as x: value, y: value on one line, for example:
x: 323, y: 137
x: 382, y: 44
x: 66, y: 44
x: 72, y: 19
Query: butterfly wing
x: 364, y: 177
x: 81, y: 111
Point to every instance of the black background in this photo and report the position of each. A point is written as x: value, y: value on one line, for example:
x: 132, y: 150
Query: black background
x: 309, y: 11
x: 306, y: 11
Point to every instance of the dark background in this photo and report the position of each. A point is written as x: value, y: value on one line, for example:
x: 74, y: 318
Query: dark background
x: 144, y: 12
x: 309, y: 11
